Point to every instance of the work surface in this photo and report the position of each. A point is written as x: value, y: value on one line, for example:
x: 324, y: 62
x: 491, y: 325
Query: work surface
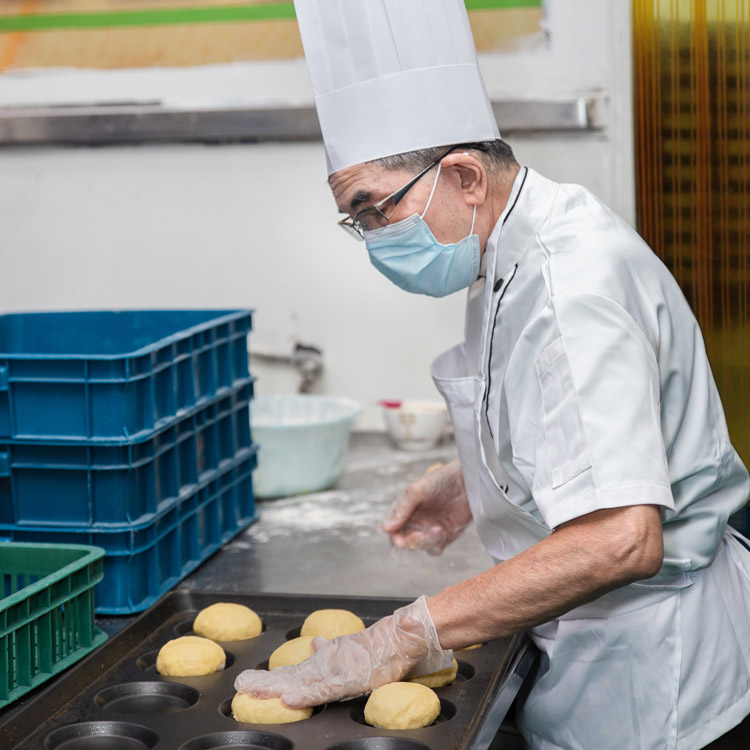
x: 330, y: 542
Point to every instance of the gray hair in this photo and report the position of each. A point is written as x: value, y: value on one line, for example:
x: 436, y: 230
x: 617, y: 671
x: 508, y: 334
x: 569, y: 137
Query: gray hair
x: 497, y: 156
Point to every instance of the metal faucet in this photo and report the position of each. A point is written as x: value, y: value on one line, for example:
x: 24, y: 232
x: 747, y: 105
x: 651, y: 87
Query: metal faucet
x: 308, y: 359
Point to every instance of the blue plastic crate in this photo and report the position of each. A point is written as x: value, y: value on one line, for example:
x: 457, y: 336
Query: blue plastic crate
x: 127, y: 540
x: 109, y: 486
x: 141, y: 565
x: 108, y: 375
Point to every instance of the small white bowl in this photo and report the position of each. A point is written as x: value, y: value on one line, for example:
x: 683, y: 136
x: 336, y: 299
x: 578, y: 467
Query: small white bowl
x: 416, y: 425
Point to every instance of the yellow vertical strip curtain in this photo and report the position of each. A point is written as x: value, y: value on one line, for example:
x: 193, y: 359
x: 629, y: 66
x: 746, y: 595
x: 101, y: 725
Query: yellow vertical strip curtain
x: 691, y: 70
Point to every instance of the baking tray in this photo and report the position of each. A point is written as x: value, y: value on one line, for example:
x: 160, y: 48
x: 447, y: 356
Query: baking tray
x: 115, y: 699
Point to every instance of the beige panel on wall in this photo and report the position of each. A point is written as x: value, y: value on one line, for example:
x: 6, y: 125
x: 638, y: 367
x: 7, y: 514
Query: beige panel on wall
x: 195, y: 43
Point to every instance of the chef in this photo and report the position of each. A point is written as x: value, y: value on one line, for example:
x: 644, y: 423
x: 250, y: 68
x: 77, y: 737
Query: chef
x: 594, y: 454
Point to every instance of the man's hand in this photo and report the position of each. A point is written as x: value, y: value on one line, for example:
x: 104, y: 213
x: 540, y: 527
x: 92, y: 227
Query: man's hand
x: 404, y: 643
x: 432, y: 512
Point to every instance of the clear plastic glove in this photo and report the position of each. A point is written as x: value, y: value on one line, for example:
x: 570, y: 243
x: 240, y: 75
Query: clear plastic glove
x: 403, y: 643
x: 432, y: 512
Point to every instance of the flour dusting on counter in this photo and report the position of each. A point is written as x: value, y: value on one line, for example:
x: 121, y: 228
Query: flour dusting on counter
x: 331, y: 512
x: 331, y: 542
x: 355, y: 508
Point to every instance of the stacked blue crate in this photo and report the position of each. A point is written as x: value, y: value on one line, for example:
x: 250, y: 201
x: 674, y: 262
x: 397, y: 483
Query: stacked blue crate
x: 129, y: 430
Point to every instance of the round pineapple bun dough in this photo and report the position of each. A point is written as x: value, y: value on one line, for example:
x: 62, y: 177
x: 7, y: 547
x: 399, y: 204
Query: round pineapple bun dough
x: 402, y: 705
x: 253, y: 710
x: 438, y: 679
x: 291, y: 652
x: 331, y: 623
x: 224, y: 621
x: 190, y: 656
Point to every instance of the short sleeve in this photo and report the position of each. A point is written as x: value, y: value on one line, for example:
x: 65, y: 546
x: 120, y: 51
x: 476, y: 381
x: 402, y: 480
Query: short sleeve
x: 599, y: 442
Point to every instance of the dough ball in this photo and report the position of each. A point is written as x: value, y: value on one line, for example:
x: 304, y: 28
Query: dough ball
x: 402, y: 705
x: 267, y: 711
x: 331, y: 623
x: 291, y: 652
x: 438, y: 679
x: 189, y: 656
x: 227, y: 622
x: 469, y: 648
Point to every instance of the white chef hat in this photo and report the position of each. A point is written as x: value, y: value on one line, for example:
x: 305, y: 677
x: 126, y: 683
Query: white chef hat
x: 392, y: 76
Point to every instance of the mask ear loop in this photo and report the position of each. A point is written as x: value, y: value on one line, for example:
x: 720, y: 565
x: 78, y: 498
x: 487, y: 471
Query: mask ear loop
x: 474, y: 217
x: 432, y: 192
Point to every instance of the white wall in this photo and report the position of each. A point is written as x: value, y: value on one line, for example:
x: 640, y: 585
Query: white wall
x: 196, y: 226
x: 254, y: 225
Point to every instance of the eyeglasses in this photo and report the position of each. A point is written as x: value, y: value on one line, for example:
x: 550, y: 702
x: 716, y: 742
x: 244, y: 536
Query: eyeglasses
x: 379, y: 214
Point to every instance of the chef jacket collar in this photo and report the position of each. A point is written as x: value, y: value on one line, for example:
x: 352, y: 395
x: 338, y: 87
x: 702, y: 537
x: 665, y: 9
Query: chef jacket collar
x: 527, y: 208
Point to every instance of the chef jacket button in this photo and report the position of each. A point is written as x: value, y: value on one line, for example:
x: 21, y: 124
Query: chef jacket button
x: 498, y: 285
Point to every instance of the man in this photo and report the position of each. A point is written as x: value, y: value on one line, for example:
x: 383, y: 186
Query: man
x: 594, y: 455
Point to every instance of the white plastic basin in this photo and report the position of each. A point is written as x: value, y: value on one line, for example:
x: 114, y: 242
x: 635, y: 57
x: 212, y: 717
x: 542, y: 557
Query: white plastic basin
x: 416, y: 425
x: 303, y: 440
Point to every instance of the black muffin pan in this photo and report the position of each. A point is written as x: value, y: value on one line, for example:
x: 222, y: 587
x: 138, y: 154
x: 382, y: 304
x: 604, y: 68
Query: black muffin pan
x: 115, y: 699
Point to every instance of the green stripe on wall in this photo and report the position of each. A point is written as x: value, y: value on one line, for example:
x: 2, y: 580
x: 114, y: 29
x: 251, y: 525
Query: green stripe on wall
x: 502, y: 4
x: 155, y: 17
x: 180, y: 16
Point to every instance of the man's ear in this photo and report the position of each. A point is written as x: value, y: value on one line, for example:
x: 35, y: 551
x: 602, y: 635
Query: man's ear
x: 471, y: 174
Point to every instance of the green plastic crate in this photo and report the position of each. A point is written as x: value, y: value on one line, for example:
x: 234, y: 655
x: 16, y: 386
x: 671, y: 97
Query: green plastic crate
x: 46, y: 613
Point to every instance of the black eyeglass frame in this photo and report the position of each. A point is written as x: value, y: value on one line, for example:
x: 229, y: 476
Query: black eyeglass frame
x: 352, y: 224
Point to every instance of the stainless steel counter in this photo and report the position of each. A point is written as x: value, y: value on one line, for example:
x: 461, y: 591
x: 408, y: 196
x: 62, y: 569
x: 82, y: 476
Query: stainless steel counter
x: 330, y: 542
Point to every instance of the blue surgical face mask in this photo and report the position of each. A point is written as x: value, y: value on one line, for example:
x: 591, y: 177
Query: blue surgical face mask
x: 408, y: 254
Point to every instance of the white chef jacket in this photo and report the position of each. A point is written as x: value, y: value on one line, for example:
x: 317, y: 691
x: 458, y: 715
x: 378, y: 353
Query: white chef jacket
x: 584, y: 384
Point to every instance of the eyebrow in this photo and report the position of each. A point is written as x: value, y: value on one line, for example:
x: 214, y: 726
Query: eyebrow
x: 360, y: 197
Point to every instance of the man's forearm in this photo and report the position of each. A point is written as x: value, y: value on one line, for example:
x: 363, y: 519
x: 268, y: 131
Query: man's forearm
x: 577, y: 563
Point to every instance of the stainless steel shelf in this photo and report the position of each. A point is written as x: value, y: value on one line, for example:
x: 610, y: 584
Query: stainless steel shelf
x: 153, y: 122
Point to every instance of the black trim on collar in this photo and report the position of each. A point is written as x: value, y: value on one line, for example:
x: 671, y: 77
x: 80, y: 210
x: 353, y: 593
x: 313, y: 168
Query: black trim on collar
x: 518, y: 195
x: 489, y: 359
x: 496, y: 288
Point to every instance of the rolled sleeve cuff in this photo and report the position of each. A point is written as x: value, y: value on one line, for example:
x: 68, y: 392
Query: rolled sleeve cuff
x: 561, y: 510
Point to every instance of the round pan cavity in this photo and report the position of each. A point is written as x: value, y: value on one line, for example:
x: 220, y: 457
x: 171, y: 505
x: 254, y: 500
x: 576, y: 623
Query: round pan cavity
x: 379, y: 743
x: 239, y: 741
x: 147, y: 662
x: 465, y: 671
x: 101, y: 735
x: 185, y: 627
x: 147, y: 698
x: 447, y: 712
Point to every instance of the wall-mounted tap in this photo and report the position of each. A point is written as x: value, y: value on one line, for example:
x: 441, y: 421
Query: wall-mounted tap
x: 308, y: 360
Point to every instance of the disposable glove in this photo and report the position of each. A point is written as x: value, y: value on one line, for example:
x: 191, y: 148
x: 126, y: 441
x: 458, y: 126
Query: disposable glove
x: 404, y: 643
x: 432, y: 512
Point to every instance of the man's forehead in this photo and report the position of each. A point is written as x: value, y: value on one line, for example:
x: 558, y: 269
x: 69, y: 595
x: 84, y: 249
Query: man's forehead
x: 357, y: 186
